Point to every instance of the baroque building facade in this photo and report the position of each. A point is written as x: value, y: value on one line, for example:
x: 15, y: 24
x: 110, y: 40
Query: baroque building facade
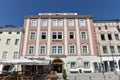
x: 68, y: 40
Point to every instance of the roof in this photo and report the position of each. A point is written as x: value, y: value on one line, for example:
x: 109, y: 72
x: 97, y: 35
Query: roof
x: 10, y: 28
x: 58, y: 15
x: 112, y: 20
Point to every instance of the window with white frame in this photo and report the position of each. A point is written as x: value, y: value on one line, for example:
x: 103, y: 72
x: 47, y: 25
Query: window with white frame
x: 104, y: 49
x: 42, y: 49
x: 43, y: 36
x: 16, y: 41
x: 102, y: 36
x: 44, y: 22
x: 86, y: 64
x: 32, y: 35
x: 15, y: 55
x: 1, y: 32
x: 72, y: 49
x: 9, y: 32
x: 73, y: 65
x: 57, y: 49
x: 18, y: 32
x: 112, y: 49
x: 83, y: 35
x: 31, y: 49
x: 109, y: 36
x: 56, y: 35
x: 57, y: 22
x: 71, y: 35
x: 8, y: 41
x: 85, y: 49
x: 118, y: 47
x: 4, y: 56
x: 70, y: 22
x: 34, y: 22
x: 59, y: 35
x: 116, y: 36
x: 82, y: 22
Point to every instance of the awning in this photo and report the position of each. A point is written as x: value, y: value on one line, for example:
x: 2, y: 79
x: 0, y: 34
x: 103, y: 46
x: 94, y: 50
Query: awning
x: 25, y: 61
x: 42, y: 62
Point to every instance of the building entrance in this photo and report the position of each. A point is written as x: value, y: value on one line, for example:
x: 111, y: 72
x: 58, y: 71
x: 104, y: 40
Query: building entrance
x: 57, y: 65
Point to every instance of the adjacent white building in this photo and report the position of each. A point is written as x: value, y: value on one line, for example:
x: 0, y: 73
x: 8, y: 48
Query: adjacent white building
x: 10, y: 39
x: 108, y: 42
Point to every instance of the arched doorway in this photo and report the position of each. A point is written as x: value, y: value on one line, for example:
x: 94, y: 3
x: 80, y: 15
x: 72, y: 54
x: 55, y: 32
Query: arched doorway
x: 7, y: 68
x: 57, y: 65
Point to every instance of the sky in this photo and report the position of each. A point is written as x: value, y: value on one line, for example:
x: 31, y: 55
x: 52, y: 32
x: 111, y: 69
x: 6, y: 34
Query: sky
x: 12, y: 12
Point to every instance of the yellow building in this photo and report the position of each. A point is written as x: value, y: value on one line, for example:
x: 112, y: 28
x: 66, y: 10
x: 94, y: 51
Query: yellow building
x: 10, y: 39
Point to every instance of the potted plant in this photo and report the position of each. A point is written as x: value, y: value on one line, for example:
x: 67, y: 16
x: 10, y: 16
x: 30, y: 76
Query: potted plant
x: 64, y: 74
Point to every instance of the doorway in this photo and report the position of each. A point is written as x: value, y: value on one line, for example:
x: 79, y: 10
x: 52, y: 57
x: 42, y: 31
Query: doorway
x: 57, y: 65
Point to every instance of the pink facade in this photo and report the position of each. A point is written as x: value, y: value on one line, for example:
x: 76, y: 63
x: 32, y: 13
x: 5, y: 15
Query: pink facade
x: 65, y: 28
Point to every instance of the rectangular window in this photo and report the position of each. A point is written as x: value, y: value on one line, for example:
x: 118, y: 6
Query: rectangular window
x: 44, y: 22
x: 85, y: 49
x: 84, y: 35
x: 109, y: 37
x: 71, y: 35
x: 8, y: 42
x: 60, y: 22
x: 15, y: 56
x: 34, y: 23
x: 118, y: 47
x: 116, y: 36
x: 43, y: 35
x: 56, y: 49
x: 57, y: 22
x: 1, y: 32
x: 54, y: 35
x: 73, y: 65
x: 57, y: 35
x: 4, y: 56
x: 54, y: 22
x: 16, y: 41
x: 112, y: 49
x: 82, y: 22
x: 71, y: 22
x: 17, y: 32
x: 42, y: 50
x: 104, y: 49
x: 59, y: 49
x: 102, y: 37
x: 86, y: 65
x: 9, y: 32
x: 99, y: 28
x: 31, y: 49
x: 72, y: 49
x: 32, y: 35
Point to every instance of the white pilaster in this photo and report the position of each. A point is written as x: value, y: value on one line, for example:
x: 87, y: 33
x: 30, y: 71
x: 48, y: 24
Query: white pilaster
x: 90, y: 37
x: 49, y: 35
x: 77, y: 36
x: 65, y: 36
x: 26, y: 37
x: 38, y: 38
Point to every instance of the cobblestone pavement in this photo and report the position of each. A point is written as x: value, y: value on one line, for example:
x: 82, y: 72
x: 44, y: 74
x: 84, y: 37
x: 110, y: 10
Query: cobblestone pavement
x: 91, y: 76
